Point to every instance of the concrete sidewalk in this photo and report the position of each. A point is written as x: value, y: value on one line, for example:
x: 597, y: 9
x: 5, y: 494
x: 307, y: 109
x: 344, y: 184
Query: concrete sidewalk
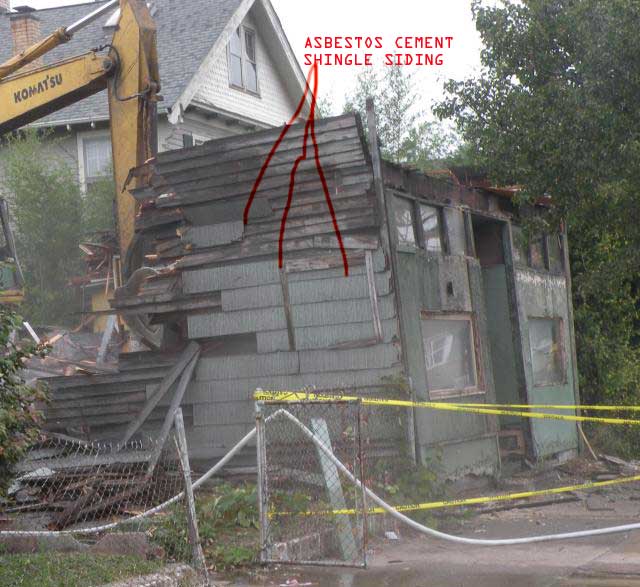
x: 418, y: 561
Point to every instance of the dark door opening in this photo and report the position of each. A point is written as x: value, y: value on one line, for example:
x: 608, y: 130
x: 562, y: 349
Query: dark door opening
x: 501, y: 314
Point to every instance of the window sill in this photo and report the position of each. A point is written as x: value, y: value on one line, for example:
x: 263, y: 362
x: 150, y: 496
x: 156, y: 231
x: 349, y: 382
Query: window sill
x: 245, y: 91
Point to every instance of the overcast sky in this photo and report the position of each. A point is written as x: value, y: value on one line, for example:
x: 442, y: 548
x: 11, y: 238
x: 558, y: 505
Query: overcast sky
x: 303, y: 18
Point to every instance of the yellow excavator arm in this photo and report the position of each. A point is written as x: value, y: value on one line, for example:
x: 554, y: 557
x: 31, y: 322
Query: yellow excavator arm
x: 129, y: 71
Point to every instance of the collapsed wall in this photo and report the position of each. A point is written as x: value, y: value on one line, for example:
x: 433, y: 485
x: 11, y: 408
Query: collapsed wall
x: 216, y: 281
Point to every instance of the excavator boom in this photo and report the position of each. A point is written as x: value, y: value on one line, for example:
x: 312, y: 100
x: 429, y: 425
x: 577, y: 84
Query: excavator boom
x: 130, y: 73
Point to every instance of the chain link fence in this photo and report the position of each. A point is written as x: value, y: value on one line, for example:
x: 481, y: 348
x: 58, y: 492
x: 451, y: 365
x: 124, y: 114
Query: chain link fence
x: 310, y: 512
x: 102, y: 498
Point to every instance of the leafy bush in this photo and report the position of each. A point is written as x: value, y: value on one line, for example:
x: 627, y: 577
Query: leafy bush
x: 227, y: 523
x: 19, y: 418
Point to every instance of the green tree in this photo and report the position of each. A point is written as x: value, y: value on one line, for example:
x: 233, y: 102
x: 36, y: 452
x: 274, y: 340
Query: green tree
x: 99, y: 204
x: 405, y: 135
x: 46, y: 205
x: 19, y: 418
x: 555, y: 110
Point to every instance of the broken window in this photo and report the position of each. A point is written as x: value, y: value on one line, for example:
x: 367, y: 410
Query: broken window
x: 554, y: 250
x: 405, y: 225
x: 449, y: 353
x: 520, y: 246
x: 536, y: 254
x: 430, y: 217
x: 545, y: 339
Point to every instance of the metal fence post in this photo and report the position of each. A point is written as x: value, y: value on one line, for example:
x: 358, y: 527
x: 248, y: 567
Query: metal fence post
x: 192, y: 520
x: 262, y: 483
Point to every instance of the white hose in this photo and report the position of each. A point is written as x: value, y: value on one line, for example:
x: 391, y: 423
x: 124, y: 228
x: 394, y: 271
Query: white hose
x: 442, y: 535
x: 378, y: 500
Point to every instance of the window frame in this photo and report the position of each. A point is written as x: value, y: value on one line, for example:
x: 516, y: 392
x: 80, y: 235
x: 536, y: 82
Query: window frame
x: 479, y: 387
x: 244, y: 29
x: 418, y: 232
x: 81, y: 138
x: 563, y: 355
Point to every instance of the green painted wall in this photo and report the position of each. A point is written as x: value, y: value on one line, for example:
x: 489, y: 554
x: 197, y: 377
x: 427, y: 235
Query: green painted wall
x: 544, y: 295
x: 423, y: 279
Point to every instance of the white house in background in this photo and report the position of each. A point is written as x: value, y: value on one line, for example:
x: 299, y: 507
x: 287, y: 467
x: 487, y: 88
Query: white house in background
x: 226, y: 68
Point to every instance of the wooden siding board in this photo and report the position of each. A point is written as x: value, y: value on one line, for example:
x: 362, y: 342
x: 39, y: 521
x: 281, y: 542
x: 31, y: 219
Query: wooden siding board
x: 336, y: 288
x: 238, y: 366
x: 375, y: 357
x: 262, y: 296
x: 273, y: 341
x: 222, y: 323
x: 340, y: 312
x: 230, y: 277
x: 216, y: 234
x: 218, y: 414
x: 222, y: 391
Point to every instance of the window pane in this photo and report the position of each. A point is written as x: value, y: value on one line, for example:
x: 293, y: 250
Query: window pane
x: 235, y: 70
x: 431, y: 228
x: 235, y: 46
x: 97, y: 157
x: 251, y: 77
x: 537, y: 254
x: 250, y: 45
x: 404, y: 221
x: 555, y: 254
x: 448, y: 353
x: 519, y: 246
x: 546, y: 351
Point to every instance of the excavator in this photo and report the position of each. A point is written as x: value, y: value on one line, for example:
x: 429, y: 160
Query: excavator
x: 127, y: 68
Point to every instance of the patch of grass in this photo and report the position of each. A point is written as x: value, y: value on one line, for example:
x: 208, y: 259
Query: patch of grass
x: 53, y: 569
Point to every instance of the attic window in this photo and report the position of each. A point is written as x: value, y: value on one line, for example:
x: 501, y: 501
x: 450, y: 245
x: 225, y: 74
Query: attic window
x: 243, y: 70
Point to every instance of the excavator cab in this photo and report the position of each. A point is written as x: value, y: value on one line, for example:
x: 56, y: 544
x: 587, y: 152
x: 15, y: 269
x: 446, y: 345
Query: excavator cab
x: 11, y: 278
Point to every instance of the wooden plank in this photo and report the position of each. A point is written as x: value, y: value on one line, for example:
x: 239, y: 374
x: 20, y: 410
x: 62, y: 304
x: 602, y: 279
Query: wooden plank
x: 265, y: 138
x: 191, y: 351
x: 244, y: 163
x: 270, y: 186
x: 373, y: 296
x: 190, y: 502
x: 284, y: 282
x: 185, y: 378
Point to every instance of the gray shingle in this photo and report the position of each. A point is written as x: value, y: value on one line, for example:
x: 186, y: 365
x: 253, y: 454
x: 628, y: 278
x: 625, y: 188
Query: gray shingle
x: 187, y: 30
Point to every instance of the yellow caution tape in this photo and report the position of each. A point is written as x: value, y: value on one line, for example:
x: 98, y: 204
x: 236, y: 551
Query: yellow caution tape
x: 557, y: 407
x: 489, y: 409
x: 469, y: 501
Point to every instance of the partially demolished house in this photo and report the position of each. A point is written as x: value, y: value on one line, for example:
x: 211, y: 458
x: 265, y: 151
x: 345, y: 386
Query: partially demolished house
x: 441, y: 294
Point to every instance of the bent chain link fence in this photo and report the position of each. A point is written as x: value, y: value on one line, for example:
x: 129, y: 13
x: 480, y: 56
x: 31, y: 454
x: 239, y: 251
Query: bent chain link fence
x: 300, y: 488
x: 303, y: 494
x: 89, y: 490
